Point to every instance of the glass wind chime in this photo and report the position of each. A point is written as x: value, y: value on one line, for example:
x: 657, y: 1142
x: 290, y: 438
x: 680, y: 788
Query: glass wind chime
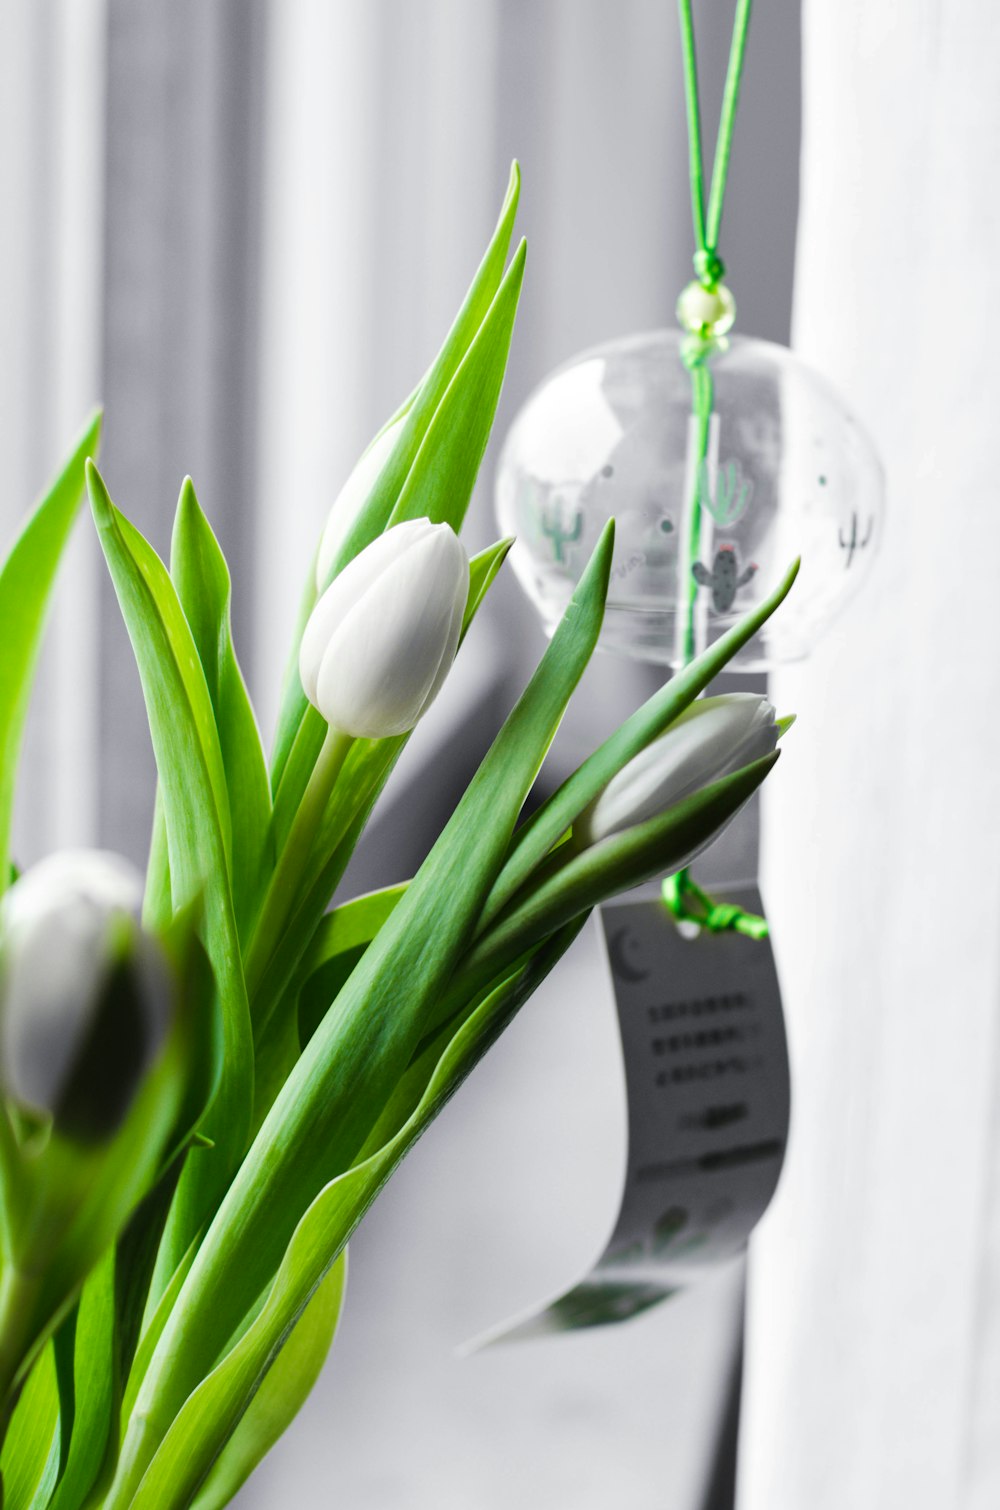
x: 720, y: 457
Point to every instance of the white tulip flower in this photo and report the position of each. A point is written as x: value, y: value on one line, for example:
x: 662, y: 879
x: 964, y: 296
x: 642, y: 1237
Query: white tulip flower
x: 381, y: 639
x: 712, y: 738
x: 84, y: 993
x: 351, y: 500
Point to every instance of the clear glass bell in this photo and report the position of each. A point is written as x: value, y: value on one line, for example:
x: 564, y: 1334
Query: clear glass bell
x: 710, y: 513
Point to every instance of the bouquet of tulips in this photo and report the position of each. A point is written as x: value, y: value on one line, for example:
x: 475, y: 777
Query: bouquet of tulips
x: 208, y: 1075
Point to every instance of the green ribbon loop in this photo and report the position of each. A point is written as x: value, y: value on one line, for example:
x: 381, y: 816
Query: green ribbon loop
x: 708, y: 221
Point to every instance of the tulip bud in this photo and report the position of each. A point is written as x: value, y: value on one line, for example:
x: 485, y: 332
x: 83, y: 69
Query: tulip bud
x: 381, y: 639
x: 85, y: 993
x: 351, y: 500
x: 712, y: 738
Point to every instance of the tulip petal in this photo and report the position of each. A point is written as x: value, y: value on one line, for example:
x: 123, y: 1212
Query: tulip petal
x: 389, y: 656
x: 60, y: 920
x: 710, y: 739
x: 344, y: 593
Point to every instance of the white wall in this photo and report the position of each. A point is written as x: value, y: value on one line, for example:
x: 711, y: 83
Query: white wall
x: 873, y: 1374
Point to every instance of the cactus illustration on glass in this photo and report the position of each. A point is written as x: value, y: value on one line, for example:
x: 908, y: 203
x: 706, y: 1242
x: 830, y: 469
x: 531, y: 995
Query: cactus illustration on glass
x: 725, y: 579
x: 853, y: 543
x: 732, y: 494
x: 554, y: 528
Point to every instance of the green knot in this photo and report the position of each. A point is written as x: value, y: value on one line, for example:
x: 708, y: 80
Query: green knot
x: 709, y: 267
x: 690, y: 904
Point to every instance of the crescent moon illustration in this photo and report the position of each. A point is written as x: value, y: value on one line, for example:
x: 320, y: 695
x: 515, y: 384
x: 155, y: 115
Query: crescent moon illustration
x: 617, y: 946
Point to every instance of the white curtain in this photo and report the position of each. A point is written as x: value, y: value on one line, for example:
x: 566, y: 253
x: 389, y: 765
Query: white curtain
x: 873, y: 1374
x: 51, y: 187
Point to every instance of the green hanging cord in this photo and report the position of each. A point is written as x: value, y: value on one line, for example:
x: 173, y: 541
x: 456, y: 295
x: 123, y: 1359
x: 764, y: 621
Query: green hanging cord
x: 706, y: 310
x: 727, y: 120
x: 695, y: 170
x: 702, y: 404
x: 708, y: 264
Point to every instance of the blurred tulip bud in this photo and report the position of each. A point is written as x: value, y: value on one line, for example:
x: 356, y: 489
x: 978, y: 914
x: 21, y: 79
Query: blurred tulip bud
x: 351, y: 500
x: 85, y: 993
x: 381, y: 639
x: 711, y: 739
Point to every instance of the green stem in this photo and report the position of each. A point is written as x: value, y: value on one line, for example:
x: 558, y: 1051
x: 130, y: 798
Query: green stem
x: 293, y: 862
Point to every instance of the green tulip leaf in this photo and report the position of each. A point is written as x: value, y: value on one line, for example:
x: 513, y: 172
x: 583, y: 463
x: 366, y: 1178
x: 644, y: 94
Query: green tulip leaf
x: 29, y: 1463
x: 158, y: 906
x: 201, y: 576
x: 293, y: 705
x: 195, y: 804
x: 93, y: 1392
x: 483, y: 571
x: 282, y: 1393
x: 63, y: 1343
x: 298, y: 766
x: 439, y: 484
x: 338, y: 944
x: 159, y: 1306
x: 26, y: 580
